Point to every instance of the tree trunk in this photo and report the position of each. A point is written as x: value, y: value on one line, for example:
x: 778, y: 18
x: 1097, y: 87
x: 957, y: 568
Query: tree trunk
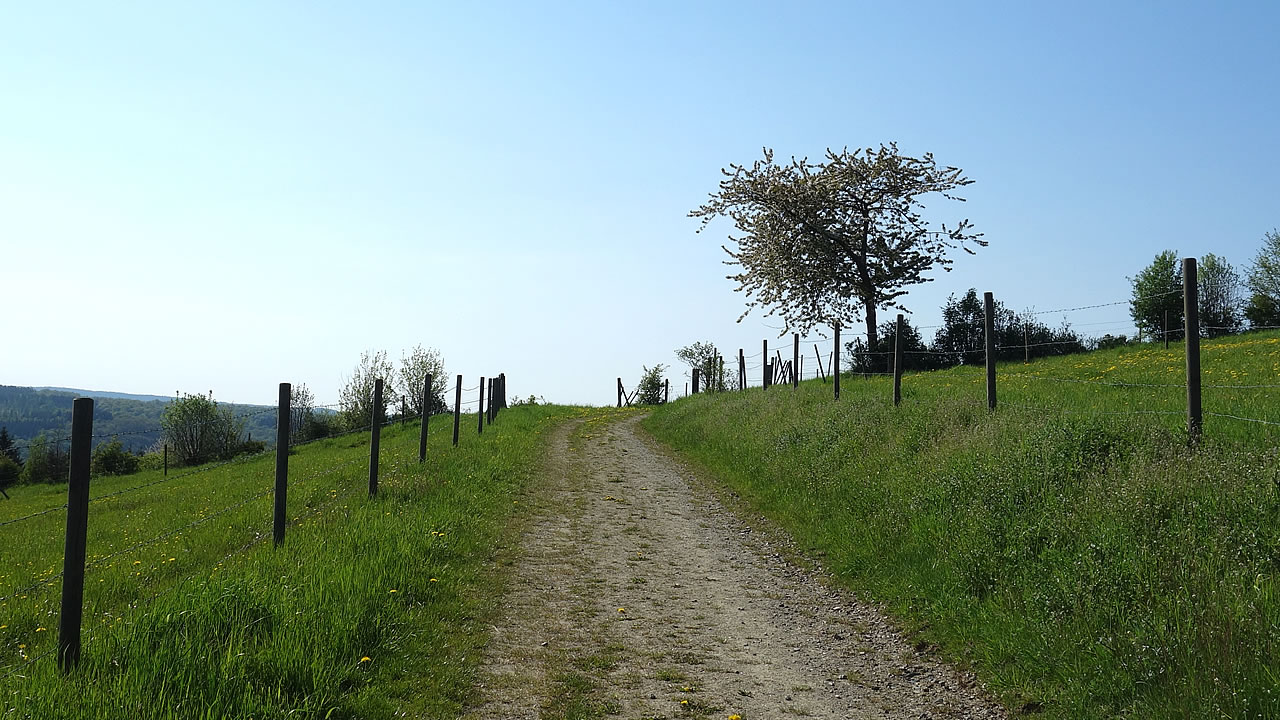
x: 872, y: 332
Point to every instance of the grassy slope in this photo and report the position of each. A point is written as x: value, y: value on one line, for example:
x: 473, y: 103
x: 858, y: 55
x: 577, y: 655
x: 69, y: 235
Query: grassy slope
x: 192, y: 626
x: 1086, y: 564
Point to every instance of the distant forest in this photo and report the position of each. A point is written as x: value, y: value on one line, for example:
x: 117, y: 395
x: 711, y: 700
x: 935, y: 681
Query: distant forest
x: 26, y: 412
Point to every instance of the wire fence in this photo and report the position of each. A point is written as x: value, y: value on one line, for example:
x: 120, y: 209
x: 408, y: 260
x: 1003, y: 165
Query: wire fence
x: 988, y: 343
x: 197, y: 526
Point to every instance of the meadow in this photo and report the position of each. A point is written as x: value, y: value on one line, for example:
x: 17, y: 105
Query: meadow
x: 1070, y: 546
x: 370, y: 607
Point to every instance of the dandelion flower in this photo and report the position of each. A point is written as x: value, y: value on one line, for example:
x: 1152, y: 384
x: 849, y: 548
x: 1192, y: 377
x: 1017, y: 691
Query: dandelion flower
x: 395, y: 591
x: 365, y: 659
x: 622, y: 609
x: 434, y: 580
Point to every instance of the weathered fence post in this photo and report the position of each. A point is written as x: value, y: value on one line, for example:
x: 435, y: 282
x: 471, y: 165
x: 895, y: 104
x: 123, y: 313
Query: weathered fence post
x: 742, y: 370
x: 1190, y: 310
x: 768, y: 374
x: 77, y: 533
x: 666, y: 391
x: 988, y: 323
x: 284, y: 418
x: 619, y: 392
x: 764, y: 363
x: 457, y: 409
x: 427, y: 398
x: 696, y: 373
x: 897, y: 362
x: 835, y: 362
x: 376, y: 438
x: 795, y: 360
x: 1026, y: 342
x: 480, y: 407
x: 404, y: 410
x: 488, y: 415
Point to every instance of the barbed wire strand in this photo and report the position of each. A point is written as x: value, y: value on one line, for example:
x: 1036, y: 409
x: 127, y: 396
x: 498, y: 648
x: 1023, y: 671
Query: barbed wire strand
x: 164, y: 536
x: 178, y: 476
x: 1090, y: 382
x: 1004, y: 403
x: 1246, y: 419
x: 63, y: 506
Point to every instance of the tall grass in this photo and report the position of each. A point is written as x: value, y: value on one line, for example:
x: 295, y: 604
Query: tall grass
x: 368, y: 609
x: 1069, y: 546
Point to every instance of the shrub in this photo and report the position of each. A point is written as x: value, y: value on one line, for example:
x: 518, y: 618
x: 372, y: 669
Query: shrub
x: 649, y: 391
x: 112, y: 459
x: 198, y: 430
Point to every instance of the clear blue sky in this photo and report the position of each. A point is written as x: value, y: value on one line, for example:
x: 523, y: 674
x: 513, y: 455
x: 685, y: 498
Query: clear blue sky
x: 231, y: 195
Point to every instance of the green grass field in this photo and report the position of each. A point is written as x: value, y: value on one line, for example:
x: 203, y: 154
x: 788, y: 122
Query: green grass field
x: 1069, y: 546
x: 370, y: 607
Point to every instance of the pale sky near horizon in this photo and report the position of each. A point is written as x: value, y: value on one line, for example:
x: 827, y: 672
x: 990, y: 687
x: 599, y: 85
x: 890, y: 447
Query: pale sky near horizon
x: 230, y: 195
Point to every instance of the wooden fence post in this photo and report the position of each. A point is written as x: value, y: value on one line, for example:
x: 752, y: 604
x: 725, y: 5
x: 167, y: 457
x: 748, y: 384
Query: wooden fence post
x: 619, y: 392
x: 696, y: 373
x: 284, y: 418
x: 742, y: 370
x: 988, y: 323
x: 795, y: 360
x: 764, y: 363
x: 376, y: 438
x: 73, y: 554
x: 428, y: 397
x: 457, y: 409
x: 835, y: 361
x: 480, y: 407
x: 1191, y: 313
x: 488, y: 414
x: 768, y: 374
x: 897, y: 362
x: 666, y: 391
x: 1026, y: 342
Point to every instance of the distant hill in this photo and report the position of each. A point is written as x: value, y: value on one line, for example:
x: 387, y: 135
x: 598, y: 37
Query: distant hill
x: 135, y: 419
x: 105, y: 394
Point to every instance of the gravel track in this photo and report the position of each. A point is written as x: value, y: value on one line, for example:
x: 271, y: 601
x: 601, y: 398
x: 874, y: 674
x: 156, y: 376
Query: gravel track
x: 636, y: 594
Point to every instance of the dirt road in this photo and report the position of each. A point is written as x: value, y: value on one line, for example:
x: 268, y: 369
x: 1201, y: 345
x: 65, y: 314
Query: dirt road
x: 637, y: 595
